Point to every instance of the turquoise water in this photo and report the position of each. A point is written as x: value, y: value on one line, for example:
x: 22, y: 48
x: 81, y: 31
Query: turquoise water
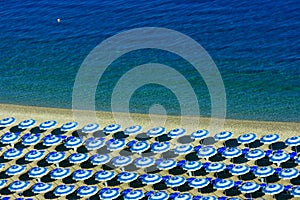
x: 254, y: 44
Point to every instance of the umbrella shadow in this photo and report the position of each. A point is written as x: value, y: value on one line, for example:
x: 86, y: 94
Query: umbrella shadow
x: 217, y: 158
x: 40, y: 146
x: 47, y: 179
x: 207, y: 189
x: 50, y: 195
x: 22, y: 161
x: 65, y: 163
x: 272, y: 179
x: 113, y: 182
x: 169, y: 154
x: 160, y: 186
x: 16, y: 129
x: 224, y: 174
x: 28, y: 193
x: 296, y: 149
x: 257, y: 194
x: 177, y: 171
x: 184, y: 188
x: 25, y: 177
x: 37, y: 130
x: 200, y: 172
x: 19, y: 145
x: 137, y: 184
x: 247, y: 177
x: 43, y: 163
x: 68, y: 180
x: 109, y: 166
x: 148, y: 153
x: 94, y: 197
x: 99, y: 134
x: 163, y: 138
x: 131, y: 167
x: 86, y: 165
x: 61, y: 147
x: 77, y: 133
x: 255, y: 144
x: 278, y: 145
x: 234, y: 191
x: 185, y: 140
x: 91, y: 181
x: 120, y: 135
x: 126, y: 152
x: 240, y: 159
x: 3, y: 160
x: 57, y: 131
x: 103, y: 150
x: 192, y: 156
x: 284, y: 195
x: 73, y: 195
x: 263, y: 162
x: 3, y: 175
x: 289, y: 164
x: 231, y: 143
x: 295, y: 181
x: 82, y: 149
x: 142, y: 137
x: 208, y: 141
x: 5, y: 191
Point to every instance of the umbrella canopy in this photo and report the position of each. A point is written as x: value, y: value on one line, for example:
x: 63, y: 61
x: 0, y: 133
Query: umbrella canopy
x: 121, y: 161
x: 183, y: 149
x: 104, y: 175
x: 69, y: 126
x: 15, y: 170
x: 12, y: 154
x: 26, y: 124
x: 289, y: 173
x: 293, y: 141
x: 134, y: 195
x: 192, y: 165
x: 208, y: 198
x: 18, y: 186
x: 87, y: 191
x: 7, y: 121
x: 264, y: 171
x: 34, y: 155
x: 133, y: 130
x: 9, y: 138
x: 249, y: 187
x: 297, y: 160
x: 112, y: 128
x: 273, y: 189
x: 41, y: 188
x: 167, y: 164
x: 200, y: 134
x: 77, y: 158
x: 60, y: 173
x: 150, y: 179
x: 100, y: 159
x: 199, y: 183
x: 160, y: 147
x: 37, y: 172
x: 296, y: 191
x: 224, y: 184
x: 177, y: 132
x: 31, y: 139
x: 63, y: 190
x: 48, y: 125
x: 232, y: 152
x: 94, y: 143
x: 51, y: 140
x: 239, y: 170
x: 279, y: 157
x: 223, y: 136
x: 90, y: 128
x: 160, y: 195
x: 144, y: 162
x: 270, y: 138
x: 55, y: 157
x: 73, y: 142
x: 116, y: 144
x: 215, y: 167
x: 80, y: 174
x: 184, y: 196
x: 139, y: 147
x: 127, y: 177
x: 175, y: 181
x: 207, y: 152
x: 255, y: 154
x: 3, y: 182
x: 109, y: 194
x: 157, y: 131
x: 246, y: 138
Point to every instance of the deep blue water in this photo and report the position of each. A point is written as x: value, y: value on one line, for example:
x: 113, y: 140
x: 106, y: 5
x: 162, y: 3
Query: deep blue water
x: 255, y: 44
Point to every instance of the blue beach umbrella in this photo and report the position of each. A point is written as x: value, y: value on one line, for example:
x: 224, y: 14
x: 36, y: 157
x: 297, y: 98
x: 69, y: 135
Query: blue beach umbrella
x: 90, y: 128
x: 270, y: 138
x: 115, y: 144
x: 87, y: 191
x: 37, y: 172
x: 223, y: 184
x: 133, y: 130
x: 144, y: 162
x: 18, y: 186
x: 273, y: 189
x: 160, y: 195
x: 183, y: 149
x: 104, y: 176
x: 48, y: 125
x: 26, y: 124
x: 77, y: 158
x: 264, y: 172
x: 112, y: 128
x: 175, y: 181
x: 12, y: 154
x: 127, y: 177
x: 293, y: 141
x: 69, y: 126
x: 157, y: 131
x: 31, y: 139
x: 246, y: 138
x: 167, y: 164
x: 151, y: 179
x: 109, y: 194
x: 3, y: 183
x: 288, y: 173
x: 191, y: 166
x: 139, y: 147
x: 134, y: 195
x: 98, y: 159
x: 249, y: 187
x: 208, y: 198
x: 296, y: 191
x: 15, y: 170
x: 94, y: 143
x: 215, y: 167
x: 73, y: 142
x: 9, y: 138
x: 223, y: 136
x: 41, y: 187
x: 2, y: 165
x: 232, y: 152
x: 279, y: 157
x: 51, y: 140
x: 160, y: 147
x: 122, y: 161
x: 184, y: 196
x: 80, y: 174
x: 207, y: 152
x: 200, y: 134
x: 7, y: 121
x: 177, y: 132
x: 297, y: 160
x: 60, y: 173
x: 33, y: 155
x: 255, y: 154
x: 199, y: 183
x: 239, y: 170
x: 55, y: 157
x: 63, y: 190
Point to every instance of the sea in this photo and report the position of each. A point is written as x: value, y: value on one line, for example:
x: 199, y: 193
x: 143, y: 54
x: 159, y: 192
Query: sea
x: 254, y: 44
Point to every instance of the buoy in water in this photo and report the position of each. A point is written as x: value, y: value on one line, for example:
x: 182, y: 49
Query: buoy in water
x: 58, y: 20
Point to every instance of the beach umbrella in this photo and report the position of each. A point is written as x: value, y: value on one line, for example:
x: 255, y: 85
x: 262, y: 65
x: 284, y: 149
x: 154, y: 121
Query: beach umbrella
x: 115, y: 144
x: 31, y: 139
x: 288, y: 173
x: 90, y: 128
x: 104, y: 176
x: 69, y: 126
x: 246, y: 138
x: 60, y: 173
x: 9, y: 138
x: 15, y: 170
x: 199, y: 183
x: 167, y: 164
x: 77, y: 158
x: 177, y: 132
x: 73, y: 142
x: 12, y: 154
x: 296, y: 191
x: 273, y: 189
x: 207, y: 152
x: 3, y: 182
x: 133, y: 130
x: 160, y: 195
x: 293, y: 141
x: 223, y: 184
x: 297, y: 160
x: 51, y: 140
x: 98, y: 159
x: 249, y: 187
x: 18, y: 186
x: 33, y: 155
x: 270, y: 138
x: 122, y: 161
x: 183, y: 149
x: 200, y: 134
x: 157, y: 131
x: 109, y: 194
x: 144, y: 162
x: 112, y: 128
x: 151, y: 179
x: 264, y: 172
x: 87, y: 191
x: 26, y: 124
x: 127, y: 177
x: 134, y: 195
x: 279, y: 157
x: 37, y: 172
x: 139, y: 147
x: 160, y: 147
x: 232, y: 152
x: 55, y: 157
x: 2, y: 165
x: 81, y: 175
x: 41, y: 187
x: 239, y: 170
x: 63, y: 190
x: 184, y: 196
x: 7, y: 121
x: 175, y: 181
x: 215, y: 167
x: 223, y: 136
x: 48, y: 125
x: 208, y: 198
x: 94, y: 143
x: 192, y: 166
x: 255, y: 154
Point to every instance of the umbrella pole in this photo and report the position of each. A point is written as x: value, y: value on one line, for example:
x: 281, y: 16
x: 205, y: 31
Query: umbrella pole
x: 122, y: 169
x: 57, y: 165
x: 190, y: 173
x: 105, y: 183
x: 39, y: 180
